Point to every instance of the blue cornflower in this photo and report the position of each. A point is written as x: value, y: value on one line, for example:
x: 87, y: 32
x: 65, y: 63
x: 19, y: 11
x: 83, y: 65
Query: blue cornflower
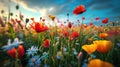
x: 85, y: 61
x: 84, y: 65
x: 34, y: 61
x: 32, y: 50
x: 64, y: 49
x: 75, y: 52
x: 57, y: 38
x: 45, y: 55
x: 93, y: 56
x: 118, y: 44
x: 46, y: 65
x: 12, y: 45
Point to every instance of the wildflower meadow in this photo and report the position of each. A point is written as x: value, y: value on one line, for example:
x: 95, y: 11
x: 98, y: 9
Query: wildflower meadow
x: 27, y: 42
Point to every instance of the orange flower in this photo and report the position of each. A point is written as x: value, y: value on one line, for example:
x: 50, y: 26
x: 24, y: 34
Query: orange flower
x: 85, y: 25
x: 12, y: 52
x: 103, y: 46
x: 74, y: 35
x: 89, y: 48
x: 103, y: 35
x: 32, y: 19
x: 99, y: 63
x: 46, y: 43
x: 21, y: 51
x: 52, y: 17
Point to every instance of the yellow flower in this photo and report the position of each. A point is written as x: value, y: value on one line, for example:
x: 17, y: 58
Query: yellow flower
x: 103, y: 46
x: 89, y: 48
x: 99, y: 63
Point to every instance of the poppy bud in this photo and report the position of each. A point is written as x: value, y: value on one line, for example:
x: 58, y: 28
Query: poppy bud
x: 21, y: 51
x: 12, y: 52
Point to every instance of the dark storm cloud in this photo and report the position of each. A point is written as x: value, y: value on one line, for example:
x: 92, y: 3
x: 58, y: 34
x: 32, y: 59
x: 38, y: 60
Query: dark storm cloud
x: 61, y: 6
x: 67, y: 6
x: 99, y: 4
x: 111, y: 6
x: 115, y: 10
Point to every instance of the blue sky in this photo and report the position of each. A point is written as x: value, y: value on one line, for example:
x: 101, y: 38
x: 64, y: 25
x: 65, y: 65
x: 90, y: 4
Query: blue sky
x: 60, y: 8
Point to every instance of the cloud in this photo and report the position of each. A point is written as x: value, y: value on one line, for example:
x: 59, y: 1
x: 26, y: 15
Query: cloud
x: 36, y: 8
x: 4, y: 5
x: 45, y: 7
x: 62, y: 7
x: 25, y: 6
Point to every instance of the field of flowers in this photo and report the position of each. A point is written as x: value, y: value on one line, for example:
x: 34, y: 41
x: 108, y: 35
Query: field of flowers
x: 41, y: 45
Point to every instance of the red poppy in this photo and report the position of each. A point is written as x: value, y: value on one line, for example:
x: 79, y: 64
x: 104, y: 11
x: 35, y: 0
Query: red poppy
x: 104, y: 21
x: 97, y: 18
x: 79, y: 9
x: 43, y: 20
x: 113, y: 32
x: 65, y: 33
x: 91, y: 24
x: 39, y: 27
x: 18, y: 21
x: 12, y: 52
x: 74, y: 35
x: 69, y: 24
x: 21, y: 51
x: 46, y: 43
x: 83, y: 18
x: 13, y: 21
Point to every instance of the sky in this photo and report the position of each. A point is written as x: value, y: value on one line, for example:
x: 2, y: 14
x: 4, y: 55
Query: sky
x: 60, y: 8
